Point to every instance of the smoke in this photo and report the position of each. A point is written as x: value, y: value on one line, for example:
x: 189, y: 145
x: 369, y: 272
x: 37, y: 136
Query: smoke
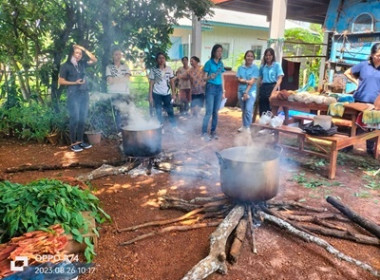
x: 136, y: 118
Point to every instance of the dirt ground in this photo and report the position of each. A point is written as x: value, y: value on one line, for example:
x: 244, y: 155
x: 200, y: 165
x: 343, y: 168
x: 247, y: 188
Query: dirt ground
x: 132, y: 199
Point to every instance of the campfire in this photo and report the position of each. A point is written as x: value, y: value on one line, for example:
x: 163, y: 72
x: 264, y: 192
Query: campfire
x: 235, y: 219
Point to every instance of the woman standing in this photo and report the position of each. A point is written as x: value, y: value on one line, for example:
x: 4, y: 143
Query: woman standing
x: 271, y: 74
x: 72, y: 75
x: 118, y: 75
x: 184, y: 85
x: 247, y: 75
x: 196, y: 75
x: 366, y: 75
x: 213, y: 70
x: 161, y: 85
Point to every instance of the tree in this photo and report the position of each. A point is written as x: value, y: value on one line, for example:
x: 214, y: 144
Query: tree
x: 36, y: 34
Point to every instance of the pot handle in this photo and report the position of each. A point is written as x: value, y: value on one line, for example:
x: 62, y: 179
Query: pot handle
x: 222, y: 163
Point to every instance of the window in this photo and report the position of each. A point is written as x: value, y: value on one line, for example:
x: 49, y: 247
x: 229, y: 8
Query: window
x: 363, y: 23
x: 257, y: 51
x: 185, y: 50
x: 226, y: 49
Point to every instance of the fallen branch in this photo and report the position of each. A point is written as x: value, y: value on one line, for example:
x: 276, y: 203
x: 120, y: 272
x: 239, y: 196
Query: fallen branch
x: 43, y: 167
x: 163, y: 222
x: 204, y: 208
x: 295, y: 204
x: 107, y: 170
x: 170, y: 229
x: 346, y: 234
x: 318, y: 216
x: 356, y: 218
x: 252, y: 229
x: 215, y: 261
x: 320, y: 242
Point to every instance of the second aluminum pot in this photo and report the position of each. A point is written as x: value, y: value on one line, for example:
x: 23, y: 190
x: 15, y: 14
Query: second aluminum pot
x: 249, y: 174
x: 142, y: 142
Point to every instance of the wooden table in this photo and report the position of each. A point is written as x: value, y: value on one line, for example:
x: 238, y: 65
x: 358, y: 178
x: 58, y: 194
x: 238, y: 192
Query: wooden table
x: 349, y: 113
x: 328, y: 146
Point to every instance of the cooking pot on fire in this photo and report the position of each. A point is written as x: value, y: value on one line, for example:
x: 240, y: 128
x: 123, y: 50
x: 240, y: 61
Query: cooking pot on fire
x: 248, y: 173
x: 144, y: 142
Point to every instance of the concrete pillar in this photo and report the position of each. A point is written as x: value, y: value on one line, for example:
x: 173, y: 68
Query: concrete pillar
x: 277, y: 27
x: 196, y: 37
x: 323, y: 61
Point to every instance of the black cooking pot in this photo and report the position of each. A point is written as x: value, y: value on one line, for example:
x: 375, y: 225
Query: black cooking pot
x: 142, y: 142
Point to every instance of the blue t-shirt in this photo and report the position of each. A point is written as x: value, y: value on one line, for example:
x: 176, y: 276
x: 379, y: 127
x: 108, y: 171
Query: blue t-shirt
x: 270, y: 74
x: 247, y: 73
x: 369, y: 82
x: 211, y: 67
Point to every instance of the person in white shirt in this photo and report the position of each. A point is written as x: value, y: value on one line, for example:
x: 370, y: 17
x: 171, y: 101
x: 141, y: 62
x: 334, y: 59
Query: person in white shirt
x: 161, y: 86
x: 118, y: 75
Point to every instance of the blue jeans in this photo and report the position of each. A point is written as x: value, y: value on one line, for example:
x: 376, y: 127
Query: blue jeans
x: 163, y: 101
x: 213, y: 99
x: 77, y: 105
x: 247, y: 108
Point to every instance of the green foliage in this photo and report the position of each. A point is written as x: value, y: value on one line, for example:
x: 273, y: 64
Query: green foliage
x: 43, y: 203
x: 300, y: 35
x: 32, y: 121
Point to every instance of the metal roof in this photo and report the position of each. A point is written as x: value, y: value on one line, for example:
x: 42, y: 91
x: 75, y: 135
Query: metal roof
x: 302, y: 10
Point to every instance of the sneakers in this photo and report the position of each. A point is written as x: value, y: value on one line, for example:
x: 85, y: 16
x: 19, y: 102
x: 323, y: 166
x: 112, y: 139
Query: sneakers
x: 179, y: 131
x: 205, y: 137
x: 244, y: 129
x: 85, y: 145
x: 76, y: 148
x: 266, y: 132
x: 214, y: 136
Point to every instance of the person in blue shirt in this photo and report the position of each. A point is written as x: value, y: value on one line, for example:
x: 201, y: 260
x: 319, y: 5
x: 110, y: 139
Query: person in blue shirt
x: 271, y: 74
x: 247, y: 75
x: 213, y: 70
x: 366, y: 75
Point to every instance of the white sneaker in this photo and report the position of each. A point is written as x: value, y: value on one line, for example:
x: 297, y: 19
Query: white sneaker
x: 241, y: 129
x: 266, y: 132
x: 247, y: 130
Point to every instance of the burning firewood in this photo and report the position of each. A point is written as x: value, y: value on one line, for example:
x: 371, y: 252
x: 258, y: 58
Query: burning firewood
x: 215, y: 261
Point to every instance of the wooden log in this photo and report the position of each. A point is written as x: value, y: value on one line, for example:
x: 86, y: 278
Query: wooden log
x: 308, y: 218
x: 215, y: 261
x: 170, y: 229
x: 356, y: 218
x: 43, y: 167
x: 187, y: 216
x: 346, y: 234
x: 320, y: 242
x: 163, y: 222
x: 107, y: 170
x: 295, y: 204
x: 252, y: 229
x: 240, y: 233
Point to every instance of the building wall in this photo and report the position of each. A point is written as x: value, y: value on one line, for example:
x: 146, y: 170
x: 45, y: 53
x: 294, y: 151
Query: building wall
x: 239, y: 40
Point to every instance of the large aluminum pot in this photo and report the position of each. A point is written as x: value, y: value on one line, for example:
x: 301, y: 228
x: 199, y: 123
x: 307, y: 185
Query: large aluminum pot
x: 249, y: 174
x: 142, y: 142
